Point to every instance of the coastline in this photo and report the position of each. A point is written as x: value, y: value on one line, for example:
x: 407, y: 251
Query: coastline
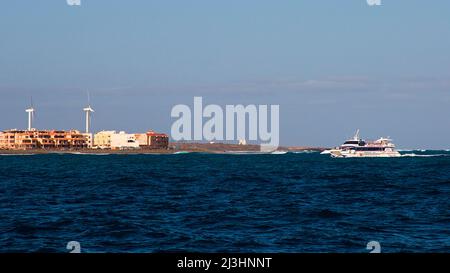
x: 216, y: 148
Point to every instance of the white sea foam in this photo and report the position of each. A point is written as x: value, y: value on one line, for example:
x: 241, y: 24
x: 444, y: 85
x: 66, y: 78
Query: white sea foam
x: 416, y: 155
x: 245, y: 153
x: 305, y: 152
x: 15, y: 154
x: 79, y: 153
x: 279, y: 152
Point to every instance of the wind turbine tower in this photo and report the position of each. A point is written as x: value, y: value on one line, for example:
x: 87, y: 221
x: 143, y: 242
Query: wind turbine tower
x: 89, y: 136
x: 88, y: 111
x: 30, y: 112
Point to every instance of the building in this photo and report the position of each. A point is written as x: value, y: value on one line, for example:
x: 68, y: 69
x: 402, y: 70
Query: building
x: 153, y: 140
x: 157, y: 140
x: 42, y: 139
x: 142, y: 139
x: 123, y: 141
x: 242, y: 142
x: 102, y: 140
x: 89, y: 139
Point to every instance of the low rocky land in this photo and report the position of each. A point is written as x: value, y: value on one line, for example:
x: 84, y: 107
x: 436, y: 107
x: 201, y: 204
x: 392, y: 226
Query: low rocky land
x: 173, y: 148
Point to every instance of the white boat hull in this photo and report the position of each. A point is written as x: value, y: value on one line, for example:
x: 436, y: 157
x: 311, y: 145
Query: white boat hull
x: 349, y: 154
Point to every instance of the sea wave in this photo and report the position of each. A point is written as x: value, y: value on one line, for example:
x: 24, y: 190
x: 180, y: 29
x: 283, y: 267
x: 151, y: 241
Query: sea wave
x: 279, y: 152
x: 108, y: 200
x: 181, y: 152
x: 423, y: 155
x: 245, y: 153
x: 305, y: 152
x: 15, y: 154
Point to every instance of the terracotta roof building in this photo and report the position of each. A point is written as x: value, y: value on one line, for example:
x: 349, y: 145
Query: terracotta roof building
x: 42, y: 139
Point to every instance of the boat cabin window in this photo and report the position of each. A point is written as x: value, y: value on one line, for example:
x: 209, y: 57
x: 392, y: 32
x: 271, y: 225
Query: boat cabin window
x: 369, y: 149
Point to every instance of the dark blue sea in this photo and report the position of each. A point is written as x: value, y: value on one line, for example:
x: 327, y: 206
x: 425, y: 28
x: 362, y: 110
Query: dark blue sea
x: 303, y: 202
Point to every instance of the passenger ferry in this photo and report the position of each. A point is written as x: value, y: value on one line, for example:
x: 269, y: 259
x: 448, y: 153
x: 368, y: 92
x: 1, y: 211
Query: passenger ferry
x: 357, y: 147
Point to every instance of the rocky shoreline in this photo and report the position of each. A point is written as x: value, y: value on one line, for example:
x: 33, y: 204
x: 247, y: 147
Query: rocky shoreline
x: 173, y: 148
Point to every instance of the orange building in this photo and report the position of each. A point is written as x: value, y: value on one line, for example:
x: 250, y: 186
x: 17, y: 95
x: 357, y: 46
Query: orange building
x: 153, y: 140
x: 42, y: 139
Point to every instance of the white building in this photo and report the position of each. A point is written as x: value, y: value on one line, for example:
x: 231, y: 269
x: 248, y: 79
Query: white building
x: 123, y: 140
x: 102, y: 140
x: 242, y: 142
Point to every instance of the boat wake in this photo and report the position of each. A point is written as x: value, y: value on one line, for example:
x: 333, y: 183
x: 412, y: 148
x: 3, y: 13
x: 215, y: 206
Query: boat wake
x: 417, y: 155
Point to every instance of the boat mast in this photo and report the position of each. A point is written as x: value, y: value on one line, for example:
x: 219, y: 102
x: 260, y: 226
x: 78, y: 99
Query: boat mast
x: 356, y: 137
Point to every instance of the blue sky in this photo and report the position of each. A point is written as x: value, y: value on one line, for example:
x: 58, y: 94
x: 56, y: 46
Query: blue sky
x: 332, y: 66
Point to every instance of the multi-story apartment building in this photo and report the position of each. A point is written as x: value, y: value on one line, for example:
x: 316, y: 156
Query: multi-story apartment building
x: 123, y: 141
x: 102, y: 140
x: 42, y: 139
x: 153, y: 140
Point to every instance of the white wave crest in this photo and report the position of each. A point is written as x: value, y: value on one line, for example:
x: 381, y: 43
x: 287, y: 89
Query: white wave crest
x: 416, y: 155
x: 15, y: 154
x: 279, y: 152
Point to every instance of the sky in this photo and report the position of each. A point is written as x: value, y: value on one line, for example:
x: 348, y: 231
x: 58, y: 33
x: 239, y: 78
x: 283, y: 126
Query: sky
x: 332, y: 66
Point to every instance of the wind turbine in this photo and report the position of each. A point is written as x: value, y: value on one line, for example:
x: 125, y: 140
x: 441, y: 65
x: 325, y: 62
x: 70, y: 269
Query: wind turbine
x: 30, y: 112
x: 88, y: 111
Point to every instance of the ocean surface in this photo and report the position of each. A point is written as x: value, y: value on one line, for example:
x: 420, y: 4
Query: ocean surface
x: 294, y: 202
